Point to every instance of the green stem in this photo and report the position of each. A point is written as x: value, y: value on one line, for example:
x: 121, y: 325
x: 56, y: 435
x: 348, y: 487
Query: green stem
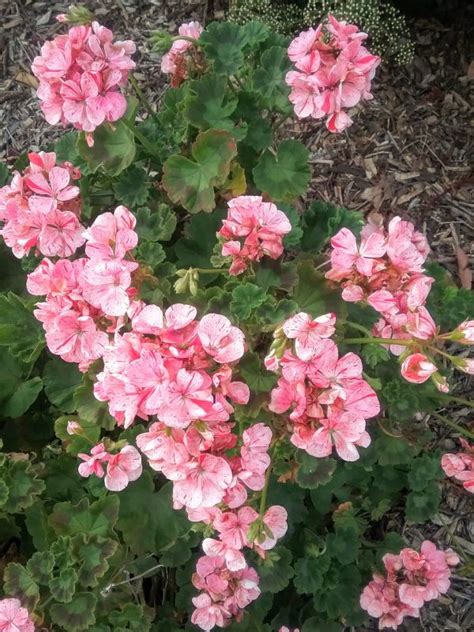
x: 382, y: 341
x: 453, y: 425
x: 263, y: 497
x: 454, y: 398
x: 443, y: 353
x: 358, y: 327
x: 209, y: 270
x: 140, y: 137
x: 142, y: 98
x: 188, y: 39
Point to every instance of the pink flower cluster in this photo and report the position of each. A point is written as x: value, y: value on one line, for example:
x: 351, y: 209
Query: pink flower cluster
x: 253, y: 228
x: 122, y: 468
x: 228, y: 585
x: 40, y: 208
x: 80, y: 75
x: 386, y: 271
x: 86, y: 297
x: 328, y: 399
x: 461, y: 465
x: 176, y: 61
x: 333, y: 72
x: 410, y: 580
x: 14, y: 618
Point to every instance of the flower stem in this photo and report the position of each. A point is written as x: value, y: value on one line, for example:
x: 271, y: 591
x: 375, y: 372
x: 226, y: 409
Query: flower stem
x: 142, y: 98
x: 140, y: 137
x: 188, y: 39
x: 263, y: 497
x: 454, y: 398
x: 358, y: 327
x: 453, y: 425
x: 209, y: 270
x: 382, y: 341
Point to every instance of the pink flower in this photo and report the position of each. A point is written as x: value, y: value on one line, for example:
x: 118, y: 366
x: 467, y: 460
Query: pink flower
x: 464, y: 333
x: 417, y: 368
x: 233, y: 526
x: 175, y: 61
x: 461, y: 466
x: 123, y: 468
x: 208, y: 614
x: 94, y: 463
x: 80, y: 75
x: 75, y: 338
x: 111, y: 236
x: 346, y: 254
x: 406, y: 248
x: 253, y: 228
x: 334, y: 72
x: 61, y: 234
x: 220, y: 339
x: 105, y: 285
x: 206, y: 480
x: 14, y: 618
x: 276, y: 525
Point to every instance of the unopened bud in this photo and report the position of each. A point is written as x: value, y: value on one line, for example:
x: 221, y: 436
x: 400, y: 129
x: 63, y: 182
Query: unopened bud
x: 466, y: 365
x: 464, y: 333
x: 76, y: 15
x: 440, y: 382
x: 161, y: 41
x: 74, y: 428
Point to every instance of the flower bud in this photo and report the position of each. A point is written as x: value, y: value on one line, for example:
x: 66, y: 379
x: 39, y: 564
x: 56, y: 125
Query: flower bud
x: 76, y: 15
x: 161, y: 41
x: 464, y: 333
x: 73, y: 428
x: 417, y: 368
x: 440, y: 382
x: 466, y: 365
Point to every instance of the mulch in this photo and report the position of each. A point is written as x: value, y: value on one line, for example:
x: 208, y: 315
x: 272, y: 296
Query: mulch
x: 409, y: 153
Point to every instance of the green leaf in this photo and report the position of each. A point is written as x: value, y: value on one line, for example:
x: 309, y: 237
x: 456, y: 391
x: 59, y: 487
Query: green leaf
x: 313, y: 294
x: 223, y: 44
x: 343, y: 545
x: 448, y: 304
x: 37, y: 525
x: 91, y: 412
x: 159, y: 526
x: 17, y: 582
x: 256, y: 33
x: 393, y: 451
x: 195, y: 248
x: 131, y: 617
x: 323, y: 220
x: 421, y: 506
x: 77, y: 615
x: 19, y: 329
x: 25, y: 395
x: 313, y: 472
x: 276, y: 571
x: 151, y: 252
x: 4, y: 174
x: 425, y: 469
x: 24, y: 486
x: 61, y: 380
x: 114, y: 146
x: 191, y: 182
x: 76, y: 443
x: 92, y: 553
x: 63, y: 587
x: 40, y: 566
x: 286, y: 175
x: 309, y: 574
x: 11, y: 371
x: 133, y: 187
x: 373, y: 354
x: 156, y: 224
x: 210, y: 106
x: 255, y: 374
x: 293, y: 238
x: 67, y: 151
x: 269, y: 78
x: 246, y: 298
x: 97, y: 519
x: 62, y: 551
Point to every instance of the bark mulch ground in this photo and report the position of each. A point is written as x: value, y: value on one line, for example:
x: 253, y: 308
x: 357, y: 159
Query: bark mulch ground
x: 408, y: 153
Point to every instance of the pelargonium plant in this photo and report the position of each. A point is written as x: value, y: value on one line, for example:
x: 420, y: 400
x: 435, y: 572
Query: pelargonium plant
x: 210, y: 381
